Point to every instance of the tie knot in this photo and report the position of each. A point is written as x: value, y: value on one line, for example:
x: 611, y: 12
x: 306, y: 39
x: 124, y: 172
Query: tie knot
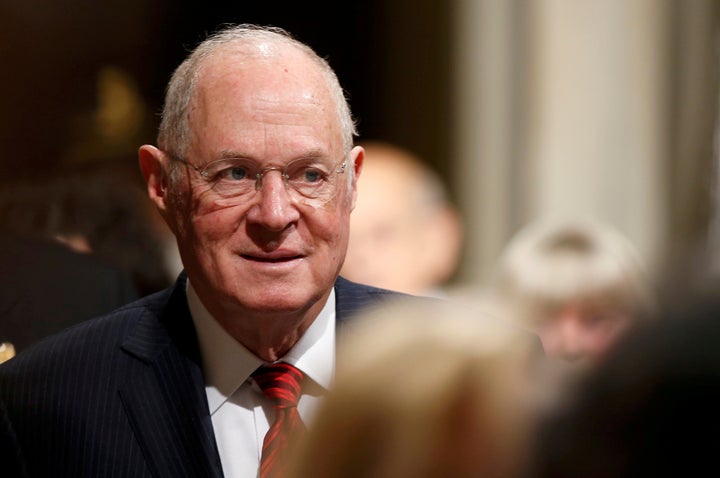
x: 280, y: 382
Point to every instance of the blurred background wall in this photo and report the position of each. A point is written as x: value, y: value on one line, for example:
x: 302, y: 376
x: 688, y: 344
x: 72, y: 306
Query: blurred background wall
x: 526, y: 108
x: 596, y: 107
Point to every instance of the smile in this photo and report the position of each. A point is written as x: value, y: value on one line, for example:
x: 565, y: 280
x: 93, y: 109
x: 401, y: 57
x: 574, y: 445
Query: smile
x: 271, y: 260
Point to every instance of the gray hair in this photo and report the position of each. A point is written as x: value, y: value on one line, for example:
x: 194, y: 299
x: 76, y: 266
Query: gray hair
x: 174, y: 131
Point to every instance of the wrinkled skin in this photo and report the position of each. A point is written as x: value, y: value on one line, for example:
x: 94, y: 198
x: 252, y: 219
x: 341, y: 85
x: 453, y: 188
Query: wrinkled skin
x: 265, y: 267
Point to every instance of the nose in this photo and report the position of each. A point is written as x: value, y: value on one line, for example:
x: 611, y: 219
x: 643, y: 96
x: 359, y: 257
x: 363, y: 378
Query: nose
x: 273, y: 209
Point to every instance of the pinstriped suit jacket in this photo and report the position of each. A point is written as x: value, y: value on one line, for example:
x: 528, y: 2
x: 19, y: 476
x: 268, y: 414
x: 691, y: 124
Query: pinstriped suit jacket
x: 121, y: 395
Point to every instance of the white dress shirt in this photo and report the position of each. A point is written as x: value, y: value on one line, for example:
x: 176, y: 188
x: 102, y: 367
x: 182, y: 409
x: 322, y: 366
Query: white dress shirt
x: 241, y: 414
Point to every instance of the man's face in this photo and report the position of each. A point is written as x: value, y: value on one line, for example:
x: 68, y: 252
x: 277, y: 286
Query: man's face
x: 268, y: 253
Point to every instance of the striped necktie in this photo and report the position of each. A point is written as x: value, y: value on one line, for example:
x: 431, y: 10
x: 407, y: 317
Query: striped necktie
x: 280, y: 382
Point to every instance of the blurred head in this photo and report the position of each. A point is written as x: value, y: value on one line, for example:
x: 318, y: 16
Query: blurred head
x: 256, y: 236
x: 441, y: 392
x: 93, y: 207
x: 578, y: 283
x: 405, y: 235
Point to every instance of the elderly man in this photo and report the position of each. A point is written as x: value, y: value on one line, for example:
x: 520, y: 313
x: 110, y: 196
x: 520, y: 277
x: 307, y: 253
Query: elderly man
x: 255, y: 173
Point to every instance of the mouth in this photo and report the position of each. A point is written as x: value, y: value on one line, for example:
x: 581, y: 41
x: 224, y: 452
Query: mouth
x: 271, y: 259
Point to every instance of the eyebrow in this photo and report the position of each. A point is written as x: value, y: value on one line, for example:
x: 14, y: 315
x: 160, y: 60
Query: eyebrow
x: 228, y: 154
x: 312, y: 153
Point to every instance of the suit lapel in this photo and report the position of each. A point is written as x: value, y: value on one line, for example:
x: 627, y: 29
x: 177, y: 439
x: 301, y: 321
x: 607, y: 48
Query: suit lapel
x: 352, y: 298
x: 164, y: 393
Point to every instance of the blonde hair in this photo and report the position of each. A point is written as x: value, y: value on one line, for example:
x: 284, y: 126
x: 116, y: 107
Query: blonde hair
x: 558, y: 261
x: 422, y: 390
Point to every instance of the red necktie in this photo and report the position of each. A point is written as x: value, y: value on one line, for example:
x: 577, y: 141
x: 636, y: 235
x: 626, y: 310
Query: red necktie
x: 280, y: 382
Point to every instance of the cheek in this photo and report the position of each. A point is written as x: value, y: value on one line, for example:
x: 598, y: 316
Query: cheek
x: 330, y: 229
x: 341, y: 247
x: 212, y: 224
x: 217, y: 229
x: 332, y: 232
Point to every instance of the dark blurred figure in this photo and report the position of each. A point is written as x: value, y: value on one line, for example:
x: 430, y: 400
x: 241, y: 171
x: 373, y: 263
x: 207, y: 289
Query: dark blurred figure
x: 75, y: 242
x: 46, y: 287
x: 650, y: 410
x: 92, y: 208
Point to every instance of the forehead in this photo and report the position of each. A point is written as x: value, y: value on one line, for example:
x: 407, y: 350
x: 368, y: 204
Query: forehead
x: 253, y: 97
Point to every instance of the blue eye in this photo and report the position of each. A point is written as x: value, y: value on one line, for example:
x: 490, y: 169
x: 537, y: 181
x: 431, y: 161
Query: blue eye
x: 312, y: 175
x: 232, y: 173
x: 238, y: 173
x: 305, y: 174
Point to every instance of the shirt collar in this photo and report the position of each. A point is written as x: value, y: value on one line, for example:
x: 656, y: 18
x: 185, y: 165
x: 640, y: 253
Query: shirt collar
x: 227, y: 364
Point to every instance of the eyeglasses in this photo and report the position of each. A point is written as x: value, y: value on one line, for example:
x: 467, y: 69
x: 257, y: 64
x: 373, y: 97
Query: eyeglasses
x: 308, y: 181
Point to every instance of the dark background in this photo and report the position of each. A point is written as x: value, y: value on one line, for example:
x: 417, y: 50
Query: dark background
x: 391, y: 57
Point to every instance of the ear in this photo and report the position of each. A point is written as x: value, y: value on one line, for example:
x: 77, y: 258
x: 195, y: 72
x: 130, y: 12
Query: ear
x: 153, y: 164
x: 357, y: 156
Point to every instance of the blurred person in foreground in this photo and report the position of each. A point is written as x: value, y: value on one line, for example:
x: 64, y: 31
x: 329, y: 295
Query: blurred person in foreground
x: 405, y: 234
x: 650, y: 409
x: 255, y: 173
x: 578, y: 283
x: 442, y: 391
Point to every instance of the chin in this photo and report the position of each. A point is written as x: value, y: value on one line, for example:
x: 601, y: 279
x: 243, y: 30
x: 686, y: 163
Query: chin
x: 275, y: 300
